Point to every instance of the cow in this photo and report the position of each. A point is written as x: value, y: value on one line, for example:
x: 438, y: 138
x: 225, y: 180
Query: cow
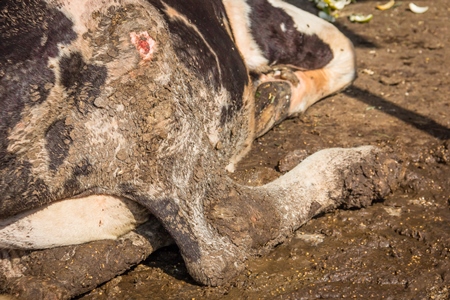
x: 115, y: 111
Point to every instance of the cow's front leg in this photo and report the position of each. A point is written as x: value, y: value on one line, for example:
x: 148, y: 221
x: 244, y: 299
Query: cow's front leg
x: 68, y: 271
x: 219, y: 230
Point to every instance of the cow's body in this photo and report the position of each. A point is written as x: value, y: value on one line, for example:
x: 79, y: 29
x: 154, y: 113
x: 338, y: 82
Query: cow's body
x: 110, y: 112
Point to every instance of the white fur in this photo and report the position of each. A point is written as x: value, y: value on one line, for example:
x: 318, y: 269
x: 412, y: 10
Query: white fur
x: 238, y: 11
x: 71, y: 222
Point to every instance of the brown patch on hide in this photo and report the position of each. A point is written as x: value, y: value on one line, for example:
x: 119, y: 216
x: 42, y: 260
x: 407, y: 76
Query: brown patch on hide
x: 82, y: 80
x: 30, y: 193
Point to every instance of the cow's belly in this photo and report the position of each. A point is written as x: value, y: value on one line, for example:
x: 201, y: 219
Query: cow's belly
x: 72, y: 221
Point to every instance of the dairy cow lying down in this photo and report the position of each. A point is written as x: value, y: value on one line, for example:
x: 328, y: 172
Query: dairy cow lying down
x: 115, y: 111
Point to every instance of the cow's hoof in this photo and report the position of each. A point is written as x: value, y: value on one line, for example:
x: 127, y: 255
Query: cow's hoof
x: 272, y: 102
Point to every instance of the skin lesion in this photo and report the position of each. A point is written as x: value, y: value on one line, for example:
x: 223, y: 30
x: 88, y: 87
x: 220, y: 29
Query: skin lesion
x: 145, y: 44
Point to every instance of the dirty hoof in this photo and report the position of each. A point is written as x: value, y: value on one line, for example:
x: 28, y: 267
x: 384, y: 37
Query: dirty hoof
x: 272, y: 102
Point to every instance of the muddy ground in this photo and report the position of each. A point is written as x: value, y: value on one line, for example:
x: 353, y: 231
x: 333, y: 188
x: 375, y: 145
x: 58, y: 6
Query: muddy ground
x: 398, y: 248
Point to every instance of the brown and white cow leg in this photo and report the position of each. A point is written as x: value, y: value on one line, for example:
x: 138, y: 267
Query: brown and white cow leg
x: 68, y: 271
x: 283, y: 43
x: 335, y: 74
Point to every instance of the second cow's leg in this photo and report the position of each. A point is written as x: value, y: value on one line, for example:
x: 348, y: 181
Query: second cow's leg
x: 295, y: 57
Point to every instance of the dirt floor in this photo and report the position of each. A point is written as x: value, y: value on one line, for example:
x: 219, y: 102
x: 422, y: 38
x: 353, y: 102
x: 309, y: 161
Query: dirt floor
x: 395, y: 249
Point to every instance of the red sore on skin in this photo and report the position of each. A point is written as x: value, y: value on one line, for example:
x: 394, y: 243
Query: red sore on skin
x: 144, y: 44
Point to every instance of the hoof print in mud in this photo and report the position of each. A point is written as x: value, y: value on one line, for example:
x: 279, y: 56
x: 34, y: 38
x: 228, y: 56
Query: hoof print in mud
x: 114, y: 115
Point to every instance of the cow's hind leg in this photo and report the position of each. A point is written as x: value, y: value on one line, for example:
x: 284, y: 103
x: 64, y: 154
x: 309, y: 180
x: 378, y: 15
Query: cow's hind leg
x: 281, y: 42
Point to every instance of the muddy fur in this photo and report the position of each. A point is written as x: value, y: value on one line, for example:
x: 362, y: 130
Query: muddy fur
x: 160, y: 128
x: 254, y: 223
